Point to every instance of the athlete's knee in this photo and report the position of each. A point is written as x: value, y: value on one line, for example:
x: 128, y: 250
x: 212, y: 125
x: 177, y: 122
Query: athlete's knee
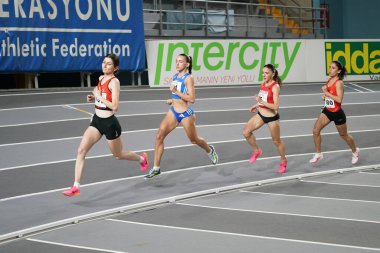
x: 344, y: 135
x: 117, y: 156
x: 81, y: 151
x: 316, y: 131
x: 194, y: 140
x: 247, y: 133
x: 277, y: 142
x: 160, y: 136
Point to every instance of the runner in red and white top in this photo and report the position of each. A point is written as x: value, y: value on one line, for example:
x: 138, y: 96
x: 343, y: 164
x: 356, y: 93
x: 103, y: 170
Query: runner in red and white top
x: 268, y: 103
x: 104, y: 122
x: 330, y: 103
x: 333, y: 92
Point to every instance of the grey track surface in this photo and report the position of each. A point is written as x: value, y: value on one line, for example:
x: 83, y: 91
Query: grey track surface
x: 40, y: 131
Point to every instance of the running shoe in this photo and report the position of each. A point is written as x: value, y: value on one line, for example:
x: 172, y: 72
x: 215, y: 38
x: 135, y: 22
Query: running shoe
x: 356, y: 156
x: 255, y: 155
x: 152, y: 173
x: 316, y: 158
x: 73, y: 191
x: 282, y: 168
x: 144, y: 165
x: 213, y: 155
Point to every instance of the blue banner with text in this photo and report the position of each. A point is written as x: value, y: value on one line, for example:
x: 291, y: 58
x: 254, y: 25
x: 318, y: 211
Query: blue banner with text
x: 70, y: 35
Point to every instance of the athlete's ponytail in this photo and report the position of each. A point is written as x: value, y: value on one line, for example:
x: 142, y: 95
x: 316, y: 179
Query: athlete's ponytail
x: 190, y: 63
x: 276, y: 77
x: 342, y: 69
x: 189, y: 59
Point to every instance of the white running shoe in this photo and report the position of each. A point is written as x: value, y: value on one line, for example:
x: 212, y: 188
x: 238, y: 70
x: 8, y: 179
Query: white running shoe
x: 356, y: 156
x: 316, y: 158
x: 213, y: 155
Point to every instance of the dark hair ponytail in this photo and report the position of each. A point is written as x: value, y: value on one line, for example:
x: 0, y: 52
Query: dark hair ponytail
x: 276, y: 77
x: 189, y: 59
x: 342, y: 69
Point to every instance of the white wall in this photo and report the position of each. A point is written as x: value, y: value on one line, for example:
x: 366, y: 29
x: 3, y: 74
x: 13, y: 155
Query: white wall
x: 231, y: 62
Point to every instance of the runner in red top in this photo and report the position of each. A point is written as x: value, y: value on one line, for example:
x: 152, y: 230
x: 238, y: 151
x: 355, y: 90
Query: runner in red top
x: 331, y: 104
x: 333, y: 92
x: 104, y: 122
x: 268, y: 102
x: 266, y: 93
x: 105, y: 92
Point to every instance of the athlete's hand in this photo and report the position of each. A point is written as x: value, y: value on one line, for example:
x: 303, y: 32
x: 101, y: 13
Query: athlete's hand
x: 259, y: 99
x: 253, y: 108
x: 90, y: 98
x: 169, y: 101
x: 323, y: 97
x: 96, y: 92
x: 324, y: 89
x: 173, y: 87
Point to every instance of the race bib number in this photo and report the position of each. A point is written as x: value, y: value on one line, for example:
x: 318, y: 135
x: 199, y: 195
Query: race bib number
x: 99, y: 103
x: 263, y: 95
x: 329, y: 103
x: 177, y: 85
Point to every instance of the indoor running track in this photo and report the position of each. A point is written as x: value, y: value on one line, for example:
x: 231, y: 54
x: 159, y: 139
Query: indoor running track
x: 193, y: 205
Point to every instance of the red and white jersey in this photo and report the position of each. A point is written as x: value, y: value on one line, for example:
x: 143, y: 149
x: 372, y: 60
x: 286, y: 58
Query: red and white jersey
x: 105, y: 93
x: 330, y: 103
x: 266, y: 93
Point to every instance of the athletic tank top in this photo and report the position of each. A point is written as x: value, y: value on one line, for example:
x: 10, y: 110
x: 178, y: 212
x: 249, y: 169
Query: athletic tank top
x: 330, y: 104
x: 105, y: 93
x: 266, y: 93
x: 179, y: 82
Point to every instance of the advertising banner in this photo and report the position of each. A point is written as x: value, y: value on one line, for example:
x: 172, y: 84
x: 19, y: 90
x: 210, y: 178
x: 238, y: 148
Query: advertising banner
x: 64, y: 35
x: 231, y: 62
x: 359, y: 57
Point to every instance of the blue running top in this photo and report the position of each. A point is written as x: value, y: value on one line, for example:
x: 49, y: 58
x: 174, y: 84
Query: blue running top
x: 179, y: 82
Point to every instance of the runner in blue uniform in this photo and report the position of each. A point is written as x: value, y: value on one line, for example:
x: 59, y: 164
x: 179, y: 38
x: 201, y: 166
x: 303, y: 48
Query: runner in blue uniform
x: 183, y: 92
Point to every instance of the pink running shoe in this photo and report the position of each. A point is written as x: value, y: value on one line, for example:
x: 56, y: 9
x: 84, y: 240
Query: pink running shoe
x: 282, y: 168
x: 73, y: 191
x: 255, y: 155
x: 145, y: 164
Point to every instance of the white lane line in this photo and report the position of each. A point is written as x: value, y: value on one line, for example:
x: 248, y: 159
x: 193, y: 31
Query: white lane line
x: 277, y: 213
x: 164, y: 173
x: 147, y: 89
x: 372, y: 173
x: 349, y: 87
x: 162, y: 100
x: 163, y: 112
x: 74, y: 246
x: 246, y: 235
x: 364, y: 88
x: 178, y: 146
x: 323, y: 182
x: 79, y: 110
x: 154, y: 89
x: 204, y: 126
x: 75, y: 137
x: 310, y: 197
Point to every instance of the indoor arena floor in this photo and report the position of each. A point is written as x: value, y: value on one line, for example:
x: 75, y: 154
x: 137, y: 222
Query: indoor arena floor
x: 193, y: 206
